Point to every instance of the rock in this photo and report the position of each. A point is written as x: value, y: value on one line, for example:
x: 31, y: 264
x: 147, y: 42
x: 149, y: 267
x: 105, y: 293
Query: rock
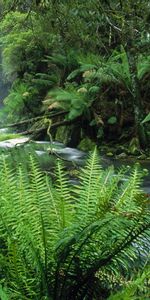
x: 13, y: 142
x: 86, y: 144
x: 122, y: 155
x: 4, y: 130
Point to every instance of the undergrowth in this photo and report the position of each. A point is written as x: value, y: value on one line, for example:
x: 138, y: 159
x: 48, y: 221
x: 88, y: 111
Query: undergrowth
x: 63, y: 241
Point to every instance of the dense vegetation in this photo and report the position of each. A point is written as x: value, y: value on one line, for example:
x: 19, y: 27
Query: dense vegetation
x: 88, y: 60
x: 79, y: 73
x: 85, y: 241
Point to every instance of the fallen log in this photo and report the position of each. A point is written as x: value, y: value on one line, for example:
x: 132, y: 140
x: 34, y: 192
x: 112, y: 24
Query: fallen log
x: 57, y: 114
x: 44, y: 128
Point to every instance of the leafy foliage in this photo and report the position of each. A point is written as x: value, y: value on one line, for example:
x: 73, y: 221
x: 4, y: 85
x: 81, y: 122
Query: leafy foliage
x: 146, y: 119
x: 45, y: 44
x: 60, y: 241
x: 136, y: 289
x: 76, y: 101
x: 19, y: 101
x: 14, y: 40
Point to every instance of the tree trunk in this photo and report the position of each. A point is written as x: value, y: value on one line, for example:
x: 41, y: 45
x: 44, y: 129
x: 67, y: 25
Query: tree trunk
x: 136, y: 97
x: 132, y: 53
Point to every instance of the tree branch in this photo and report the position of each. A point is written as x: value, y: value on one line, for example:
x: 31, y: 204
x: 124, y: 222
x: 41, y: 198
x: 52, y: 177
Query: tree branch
x: 44, y: 128
x: 60, y: 113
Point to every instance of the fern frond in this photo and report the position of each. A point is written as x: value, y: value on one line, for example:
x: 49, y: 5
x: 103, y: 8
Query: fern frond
x: 3, y: 294
x: 66, y: 205
x: 108, y: 187
x: 118, y: 256
x: 126, y: 198
x: 70, y: 100
x: 86, y: 193
x: 59, y: 240
x: 143, y: 66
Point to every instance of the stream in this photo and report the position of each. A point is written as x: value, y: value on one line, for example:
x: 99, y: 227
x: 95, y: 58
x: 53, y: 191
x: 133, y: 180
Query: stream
x: 47, y: 154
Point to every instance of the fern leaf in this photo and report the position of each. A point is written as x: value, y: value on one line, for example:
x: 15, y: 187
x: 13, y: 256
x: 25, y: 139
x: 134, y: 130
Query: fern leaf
x: 87, y: 191
x: 3, y: 294
x: 64, y: 195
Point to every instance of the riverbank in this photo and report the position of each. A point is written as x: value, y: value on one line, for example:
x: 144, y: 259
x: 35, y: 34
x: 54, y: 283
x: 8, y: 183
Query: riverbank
x: 47, y: 154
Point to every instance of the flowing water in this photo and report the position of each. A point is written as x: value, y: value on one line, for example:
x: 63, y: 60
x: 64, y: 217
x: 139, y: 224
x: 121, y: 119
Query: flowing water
x: 47, y: 154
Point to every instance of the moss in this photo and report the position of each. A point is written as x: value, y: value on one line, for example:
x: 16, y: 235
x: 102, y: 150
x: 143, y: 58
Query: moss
x: 86, y: 144
x: 9, y: 136
x: 62, y: 134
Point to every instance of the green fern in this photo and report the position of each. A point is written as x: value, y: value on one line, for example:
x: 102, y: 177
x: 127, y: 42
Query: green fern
x: 19, y: 100
x: 46, y: 80
x: 3, y: 294
x: 143, y: 66
x: 135, y: 289
x: 76, y: 102
x: 60, y: 241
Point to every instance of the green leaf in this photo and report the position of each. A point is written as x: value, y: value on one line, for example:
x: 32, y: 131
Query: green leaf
x: 3, y: 294
x: 73, y: 74
x: 74, y: 113
x: 112, y: 120
x: 87, y: 67
x: 100, y: 132
x: 94, y: 89
x: 93, y: 123
x: 147, y: 119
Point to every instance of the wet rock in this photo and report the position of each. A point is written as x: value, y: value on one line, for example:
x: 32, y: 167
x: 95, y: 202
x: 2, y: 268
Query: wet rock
x: 12, y: 143
x: 86, y: 144
x: 122, y: 155
x: 4, y: 130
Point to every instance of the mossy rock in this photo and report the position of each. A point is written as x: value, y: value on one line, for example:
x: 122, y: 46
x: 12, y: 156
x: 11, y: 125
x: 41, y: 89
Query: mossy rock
x: 122, y: 155
x: 62, y: 134
x: 86, y: 144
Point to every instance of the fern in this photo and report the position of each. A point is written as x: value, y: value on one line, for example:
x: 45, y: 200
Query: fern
x: 87, y: 192
x: 18, y: 101
x: 136, y: 289
x: 3, y: 294
x: 143, y: 66
x: 46, y: 80
x: 63, y: 61
x: 72, y: 100
x: 63, y: 242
